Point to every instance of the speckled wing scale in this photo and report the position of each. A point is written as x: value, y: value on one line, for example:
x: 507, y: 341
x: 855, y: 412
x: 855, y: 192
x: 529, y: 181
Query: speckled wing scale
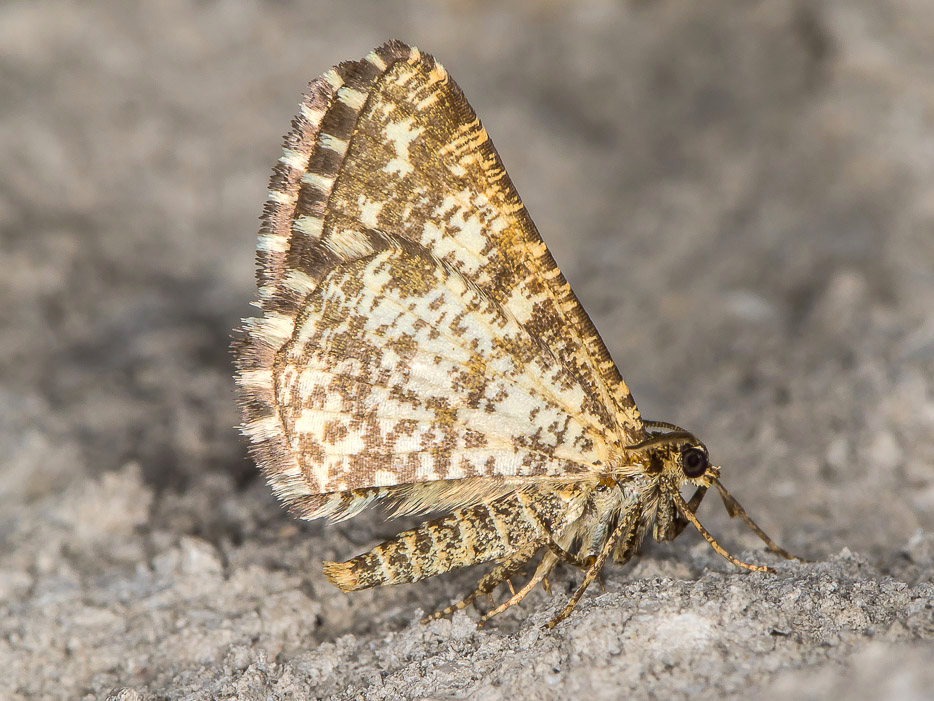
x: 418, y: 344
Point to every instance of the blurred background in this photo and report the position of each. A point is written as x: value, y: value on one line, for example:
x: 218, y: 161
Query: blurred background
x: 740, y: 191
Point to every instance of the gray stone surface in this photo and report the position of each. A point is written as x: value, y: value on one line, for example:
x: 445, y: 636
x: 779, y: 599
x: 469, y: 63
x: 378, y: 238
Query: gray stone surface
x: 741, y: 192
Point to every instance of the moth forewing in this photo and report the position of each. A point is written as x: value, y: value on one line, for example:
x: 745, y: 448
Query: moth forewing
x: 419, y: 347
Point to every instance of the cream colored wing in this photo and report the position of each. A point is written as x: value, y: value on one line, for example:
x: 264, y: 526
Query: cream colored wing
x: 415, y: 327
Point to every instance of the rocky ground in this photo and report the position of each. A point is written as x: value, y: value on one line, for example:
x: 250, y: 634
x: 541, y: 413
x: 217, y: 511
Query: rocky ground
x: 742, y: 194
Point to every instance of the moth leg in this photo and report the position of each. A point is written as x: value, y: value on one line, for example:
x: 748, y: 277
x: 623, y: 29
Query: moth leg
x: 505, y: 569
x: 734, y: 509
x: 683, y: 507
x: 543, y: 513
x: 544, y: 567
x: 624, y: 551
x: 680, y: 522
x: 626, y: 529
x: 581, y: 563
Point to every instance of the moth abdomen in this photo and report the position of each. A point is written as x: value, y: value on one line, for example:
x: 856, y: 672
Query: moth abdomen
x: 464, y: 537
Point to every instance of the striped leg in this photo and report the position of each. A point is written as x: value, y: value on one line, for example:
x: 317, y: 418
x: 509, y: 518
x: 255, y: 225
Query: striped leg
x: 626, y: 530
x: 544, y: 567
x: 734, y: 509
x: 503, y: 571
x: 581, y: 563
x: 680, y: 523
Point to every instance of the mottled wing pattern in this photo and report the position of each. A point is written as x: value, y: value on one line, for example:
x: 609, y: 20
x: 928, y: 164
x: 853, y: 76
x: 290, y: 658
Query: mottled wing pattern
x: 416, y: 328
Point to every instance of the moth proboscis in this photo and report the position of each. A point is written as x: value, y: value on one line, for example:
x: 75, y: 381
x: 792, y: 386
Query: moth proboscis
x: 420, y: 347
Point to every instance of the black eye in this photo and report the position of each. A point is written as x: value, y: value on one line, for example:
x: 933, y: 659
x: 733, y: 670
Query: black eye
x: 693, y: 462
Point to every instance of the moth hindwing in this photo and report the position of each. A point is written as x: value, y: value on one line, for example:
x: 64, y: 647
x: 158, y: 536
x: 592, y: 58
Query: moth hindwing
x: 418, y: 345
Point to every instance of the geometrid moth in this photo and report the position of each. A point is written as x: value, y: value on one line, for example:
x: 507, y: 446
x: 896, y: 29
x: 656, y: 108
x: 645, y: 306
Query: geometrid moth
x: 420, y: 347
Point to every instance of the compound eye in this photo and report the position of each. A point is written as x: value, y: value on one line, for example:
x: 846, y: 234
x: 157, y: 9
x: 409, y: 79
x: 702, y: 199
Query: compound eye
x: 693, y: 462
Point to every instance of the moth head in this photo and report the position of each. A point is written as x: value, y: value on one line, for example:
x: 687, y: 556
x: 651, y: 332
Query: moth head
x: 674, y: 457
x: 675, y: 454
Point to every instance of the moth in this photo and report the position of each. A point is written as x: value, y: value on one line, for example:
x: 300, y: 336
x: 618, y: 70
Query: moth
x: 419, y: 347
